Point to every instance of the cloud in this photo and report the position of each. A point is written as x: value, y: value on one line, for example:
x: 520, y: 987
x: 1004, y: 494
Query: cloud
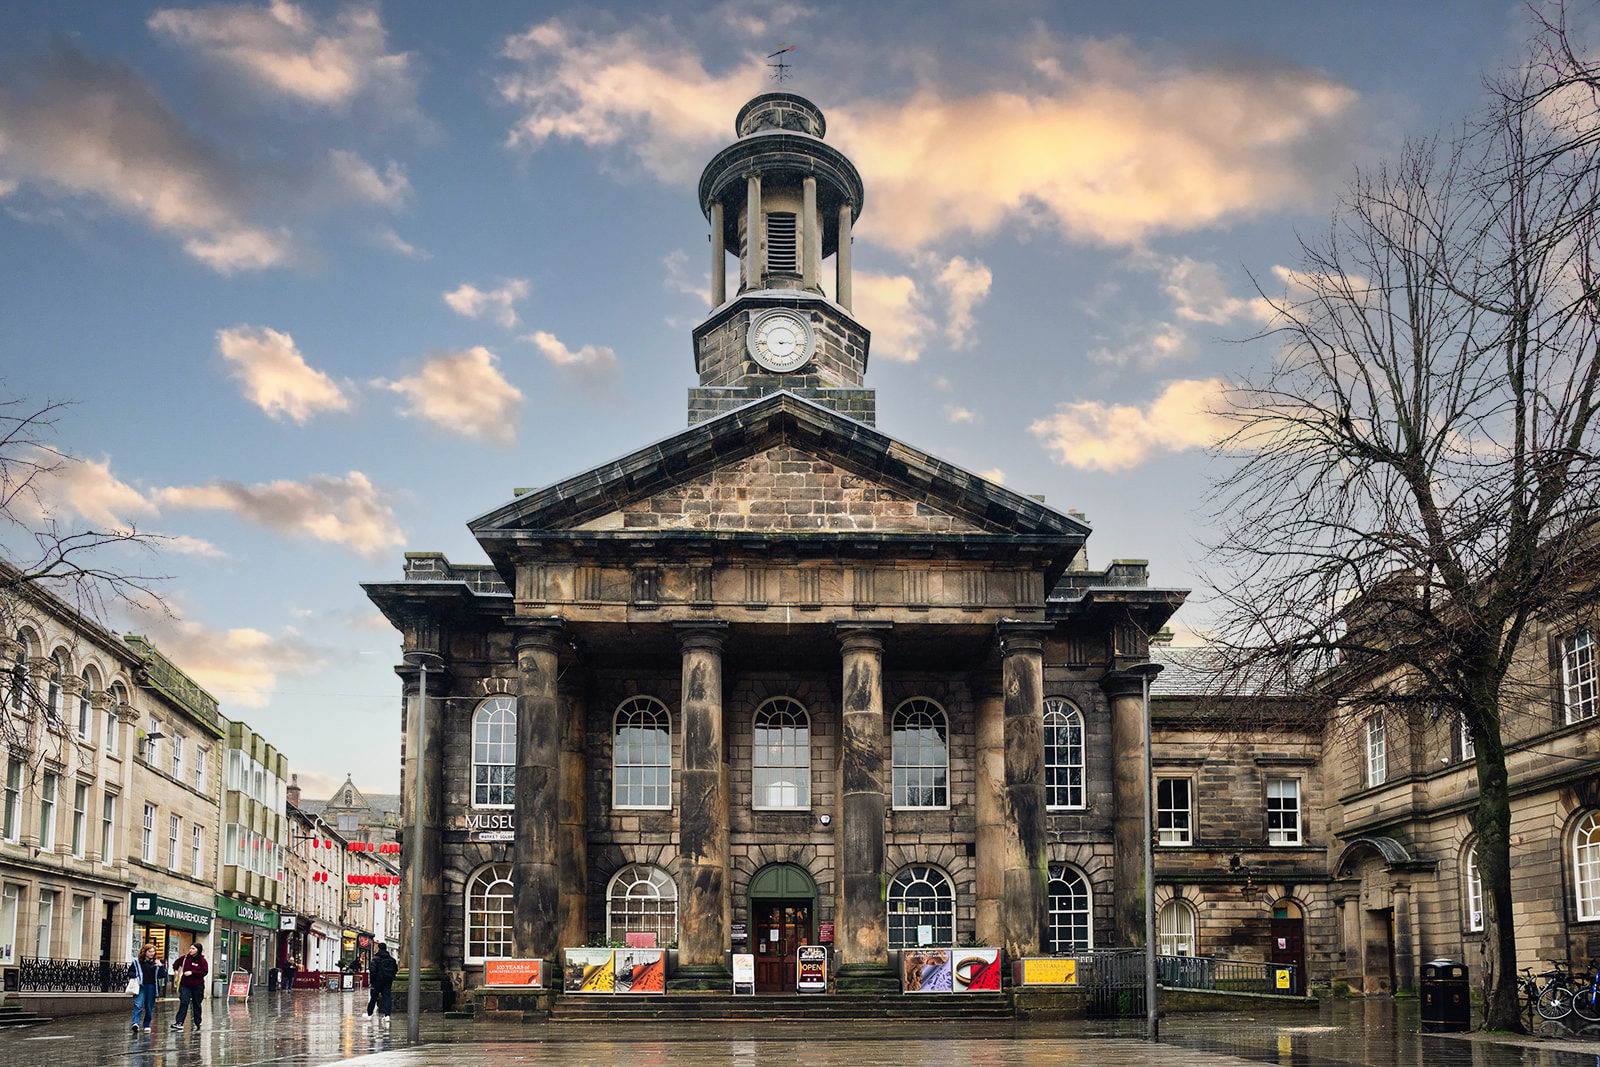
x: 678, y: 279
x: 81, y: 127
x: 1146, y: 345
x: 385, y: 237
x: 346, y: 511
x: 593, y: 365
x: 462, y: 392
x: 238, y: 667
x: 891, y: 307
x: 1199, y: 293
x: 287, y: 51
x: 995, y: 475
x: 363, y: 181
x: 958, y: 414
x: 191, y: 546
x: 1107, y: 145
x: 474, y: 303
x: 67, y: 486
x: 964, y: 285
x: 1095, y: 436
x: 275, y: 375
x: 756, y: 19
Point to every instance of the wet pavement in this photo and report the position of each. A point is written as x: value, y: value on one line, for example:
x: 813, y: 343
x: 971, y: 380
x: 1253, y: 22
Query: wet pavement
x: 322, y: 1028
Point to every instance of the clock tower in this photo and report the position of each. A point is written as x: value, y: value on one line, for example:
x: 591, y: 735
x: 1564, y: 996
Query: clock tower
x: 783, y: 201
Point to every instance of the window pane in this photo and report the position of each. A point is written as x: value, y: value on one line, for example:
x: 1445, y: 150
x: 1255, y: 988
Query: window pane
x: 642, y: 755
x: 921, y: 755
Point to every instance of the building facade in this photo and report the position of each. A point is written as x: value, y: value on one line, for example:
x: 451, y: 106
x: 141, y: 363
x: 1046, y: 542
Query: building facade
x: 779, y: 678
x: 250, y: 887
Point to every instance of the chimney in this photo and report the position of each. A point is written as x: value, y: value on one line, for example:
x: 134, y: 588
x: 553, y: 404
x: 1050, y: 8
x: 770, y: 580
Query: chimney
x: 293, y: 792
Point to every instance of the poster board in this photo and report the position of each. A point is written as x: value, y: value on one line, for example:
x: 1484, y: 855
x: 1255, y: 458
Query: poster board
x: 975, y: 970
x: 513, y: 973
x: 588, y: 970
x: 925, y: 970
x: 1283, y: 978
x: 744, y: 974
x: 640, y: 970
x: 239, y: 985
x: 1047, y: 972
x: 811, y: 969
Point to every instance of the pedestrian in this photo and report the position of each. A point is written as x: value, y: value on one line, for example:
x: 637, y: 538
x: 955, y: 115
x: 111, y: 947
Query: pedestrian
x: 381, y: 977
x: 288, y: 972
x: 192, y: 971
x: 151, y: 971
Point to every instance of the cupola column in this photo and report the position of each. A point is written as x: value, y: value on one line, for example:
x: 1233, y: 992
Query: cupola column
x: 719, y: 258
x: 842, y: 260
x: 811, y: 238
x: 755, y: 249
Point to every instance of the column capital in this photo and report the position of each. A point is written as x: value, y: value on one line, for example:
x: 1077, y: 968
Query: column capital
x: 543, y: 632
x: 708, y: 635
x: 1016, y: 636
x: 1121, y: 684
x: 410, y: 674
x: 864, y: 636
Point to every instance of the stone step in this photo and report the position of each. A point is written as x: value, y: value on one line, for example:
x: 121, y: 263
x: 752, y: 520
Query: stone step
x: 17, y: 1015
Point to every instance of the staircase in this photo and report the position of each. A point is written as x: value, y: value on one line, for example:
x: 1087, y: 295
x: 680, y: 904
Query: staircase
x: 781, y: 1008
x: 12, y: 1013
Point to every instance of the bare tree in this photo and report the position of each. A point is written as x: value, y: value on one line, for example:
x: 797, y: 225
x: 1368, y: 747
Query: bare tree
x: 1413, y: 482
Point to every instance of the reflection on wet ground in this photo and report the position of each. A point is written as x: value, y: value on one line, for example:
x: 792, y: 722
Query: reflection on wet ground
x: 320, y: 1028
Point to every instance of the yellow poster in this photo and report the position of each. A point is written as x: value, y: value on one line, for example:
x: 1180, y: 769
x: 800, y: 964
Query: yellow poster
x: 1283, y: 978
x: 1049, y: 972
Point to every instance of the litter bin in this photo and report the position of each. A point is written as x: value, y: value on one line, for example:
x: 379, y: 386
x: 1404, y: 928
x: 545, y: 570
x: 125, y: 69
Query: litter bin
x: 272, y: 980
x: 1446, y: 1000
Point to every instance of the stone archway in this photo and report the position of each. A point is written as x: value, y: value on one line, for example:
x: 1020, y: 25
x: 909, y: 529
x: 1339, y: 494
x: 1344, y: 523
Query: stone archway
x: 782, y: 904
x: 1377, y: 922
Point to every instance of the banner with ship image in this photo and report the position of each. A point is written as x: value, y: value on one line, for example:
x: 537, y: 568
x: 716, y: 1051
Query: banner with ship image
x: 588, y: 970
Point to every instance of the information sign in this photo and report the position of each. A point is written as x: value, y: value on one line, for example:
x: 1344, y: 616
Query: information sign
x: 739, y: 932
x: 811, y: 969
x: 238, y: 984
x: 744, y: 973
x: 513, y: 972
x: 1283, y: 978
x: 1049, y: 972
x: 825, y: 933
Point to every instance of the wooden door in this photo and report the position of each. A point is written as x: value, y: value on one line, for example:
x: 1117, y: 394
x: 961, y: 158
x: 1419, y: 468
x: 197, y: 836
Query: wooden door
x: 1289, y: 947
x: 780, y: 928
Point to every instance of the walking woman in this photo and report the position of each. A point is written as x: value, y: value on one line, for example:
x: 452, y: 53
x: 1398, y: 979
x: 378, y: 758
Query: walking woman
x: 151, y: 972
x: 192, y: 971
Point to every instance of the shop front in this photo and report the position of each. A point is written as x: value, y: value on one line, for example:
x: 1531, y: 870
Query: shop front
x: 169, y: 924
x: 246, y: 936
x: 288, y: 940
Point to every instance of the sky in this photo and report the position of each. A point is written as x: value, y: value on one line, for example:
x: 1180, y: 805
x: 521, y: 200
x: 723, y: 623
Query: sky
x: 323, y: 281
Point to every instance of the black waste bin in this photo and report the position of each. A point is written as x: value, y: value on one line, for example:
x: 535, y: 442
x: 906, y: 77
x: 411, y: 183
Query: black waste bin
x: 1446, y: 1000
x: 272, y: 980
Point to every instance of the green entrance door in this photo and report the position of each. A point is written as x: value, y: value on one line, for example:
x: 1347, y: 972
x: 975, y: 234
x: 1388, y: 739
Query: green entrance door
x: 782, y: 909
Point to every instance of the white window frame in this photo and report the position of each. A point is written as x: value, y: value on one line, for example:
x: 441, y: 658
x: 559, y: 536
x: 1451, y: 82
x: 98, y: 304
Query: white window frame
x: 56, y: 692
x: 1377, y: 751
x: 197, y: 845
x: 1474, y: 892
x: 75, y: 922
x: 494, y: 753
x: 49, y: 800
x: 641, y: 898
x: 1063, y: 755
x: 147, y: 844
x: 1280, y: 790
x: 108, y: 826
x: 174, y: 835
x: 773, y: 759
x: 80, y: 819
x: 479, y: 945
x: 177, y: 756
x: 1070, y: 906
x: 1174, y: 815
x: 10, y: 908
x: 653, y: 760
x: 200, y: 757
x: 44, y: 926
x: 152, y: 746
x: 920, y: 769
x: 1579, y: 687
x: 1176, y: 930
x: 11, y: 810
x: 932, y: 895
x: 1586, y: 866
x: 1469, y: 748
x: 85, y: 706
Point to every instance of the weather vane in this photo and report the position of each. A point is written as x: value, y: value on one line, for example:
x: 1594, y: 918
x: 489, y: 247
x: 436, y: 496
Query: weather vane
x: 780, y: 69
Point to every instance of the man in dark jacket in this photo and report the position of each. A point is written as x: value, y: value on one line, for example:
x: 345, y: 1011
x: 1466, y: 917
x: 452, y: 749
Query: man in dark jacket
x: 191, y: 971
x: 380, y: 974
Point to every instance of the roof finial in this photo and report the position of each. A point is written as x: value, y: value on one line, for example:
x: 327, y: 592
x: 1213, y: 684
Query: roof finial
x: 780, y: 69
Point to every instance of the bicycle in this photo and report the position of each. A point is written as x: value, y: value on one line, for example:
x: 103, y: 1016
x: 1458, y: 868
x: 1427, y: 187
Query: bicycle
x: 1558, y: 994
x: 1528, y: 993
x: 1586, y: 998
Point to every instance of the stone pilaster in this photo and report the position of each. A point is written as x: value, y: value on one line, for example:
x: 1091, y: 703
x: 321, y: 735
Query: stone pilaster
x: 1405, y: 956
x: 990, y: 792
x: 539, y: 727
x: 703, y: 820
x: 1126, y: 694
x: 1023, y: 905
x: 572, y: 847
x: 861, y: 935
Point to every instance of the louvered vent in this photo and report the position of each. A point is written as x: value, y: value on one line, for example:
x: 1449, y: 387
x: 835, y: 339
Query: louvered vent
x: 781, y: 245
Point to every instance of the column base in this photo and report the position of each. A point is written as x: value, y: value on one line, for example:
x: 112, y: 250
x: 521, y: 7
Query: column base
x: 866, y: 978
x: 700, y: 978
x: 432, y: 989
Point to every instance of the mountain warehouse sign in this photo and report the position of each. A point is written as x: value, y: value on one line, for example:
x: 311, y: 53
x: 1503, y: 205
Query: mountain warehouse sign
x: 162, y: 911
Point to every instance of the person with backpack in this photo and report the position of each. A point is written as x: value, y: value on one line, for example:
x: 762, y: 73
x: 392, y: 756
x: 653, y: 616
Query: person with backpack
x: 380, y: 975
x: 148, y: 971
x: 192, y: 971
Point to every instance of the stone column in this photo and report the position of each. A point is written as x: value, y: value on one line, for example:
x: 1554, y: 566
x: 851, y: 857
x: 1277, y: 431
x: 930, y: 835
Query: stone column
x: 991, y: 786
x: 1023, y: 907
x: 572, y: 847
x: 421, y: 861
x: 1405, y: 957
x: 1126, y: 694
x: 719, y: 258
x: 755, y: 236
x: 811, y: 238
x: 842, y: 259
x: 535, y: 872
x: 703, y: 822
x: 862, y: 937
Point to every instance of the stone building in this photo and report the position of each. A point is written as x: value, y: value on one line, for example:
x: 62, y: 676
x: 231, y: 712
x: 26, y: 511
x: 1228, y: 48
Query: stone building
x: 250, y: 885
x: 779, y: 678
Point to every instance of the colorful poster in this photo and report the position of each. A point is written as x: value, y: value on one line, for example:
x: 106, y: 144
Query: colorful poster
x: 1050, y: 972
x: 925, y: 970
x: 513, y: 972
x: 588, y: 970
x: 976, y: 970
x: 239, y: 984
x: 640, y: 970
x: 744, y: 972
x: 811, y: 969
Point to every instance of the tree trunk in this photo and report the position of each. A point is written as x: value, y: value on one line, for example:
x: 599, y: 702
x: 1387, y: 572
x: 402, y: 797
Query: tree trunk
x: 1501, y: 1011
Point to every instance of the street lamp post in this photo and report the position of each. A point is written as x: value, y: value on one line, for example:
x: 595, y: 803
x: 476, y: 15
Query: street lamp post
x: 414, y: 951
x: 1152, y: 1025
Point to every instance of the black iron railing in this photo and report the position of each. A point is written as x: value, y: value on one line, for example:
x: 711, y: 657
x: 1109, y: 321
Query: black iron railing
x: 1114, y: 978
x: 41, y: 974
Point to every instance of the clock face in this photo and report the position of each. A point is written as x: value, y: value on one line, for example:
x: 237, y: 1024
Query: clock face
x: 780, y: 340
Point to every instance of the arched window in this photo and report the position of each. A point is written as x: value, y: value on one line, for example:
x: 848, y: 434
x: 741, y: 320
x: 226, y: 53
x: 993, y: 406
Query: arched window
x: 91, y: 683
x: 1586, y: 866
x: 1063, y: 755
x: 641, y: 755
x: 119, y: 697
x: 1070, y: 911
x: 55, y: 696
x: 781, y: 775
x: 1474, y: 891
x: 19, y: 670
x: 642, y: 899
x: 922, y: 908
x: 921, y: 755
x: 1175, y: 929
x: 494, y: 754
x: 489, y: 907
